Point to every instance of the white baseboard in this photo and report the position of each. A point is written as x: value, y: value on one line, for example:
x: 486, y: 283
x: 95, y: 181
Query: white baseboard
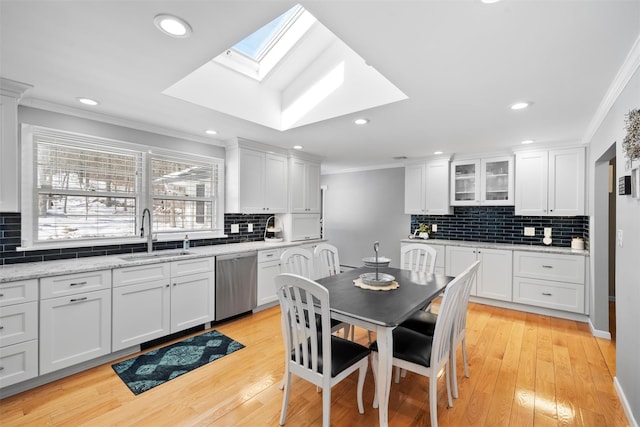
x: 599, y: 333
x: 625, y: 403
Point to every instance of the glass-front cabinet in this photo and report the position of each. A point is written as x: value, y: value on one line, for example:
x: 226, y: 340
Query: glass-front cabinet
x: 484, y: 182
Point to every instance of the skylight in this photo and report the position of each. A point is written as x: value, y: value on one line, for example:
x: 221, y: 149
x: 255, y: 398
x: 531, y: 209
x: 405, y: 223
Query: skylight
x: 258, y: 44
x: 258, y: 53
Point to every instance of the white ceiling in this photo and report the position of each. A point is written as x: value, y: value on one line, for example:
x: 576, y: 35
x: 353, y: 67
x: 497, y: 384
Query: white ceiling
x: 461, y: 63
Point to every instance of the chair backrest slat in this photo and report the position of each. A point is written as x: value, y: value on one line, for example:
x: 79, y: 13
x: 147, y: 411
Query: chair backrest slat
x: 418, y: 257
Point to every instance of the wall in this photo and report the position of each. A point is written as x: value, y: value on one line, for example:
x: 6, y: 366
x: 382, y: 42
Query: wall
x: 612, y: 131
x: 362, y: 207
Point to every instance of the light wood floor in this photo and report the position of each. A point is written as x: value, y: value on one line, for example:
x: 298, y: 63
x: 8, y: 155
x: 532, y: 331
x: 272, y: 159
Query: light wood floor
x: 525, y: 370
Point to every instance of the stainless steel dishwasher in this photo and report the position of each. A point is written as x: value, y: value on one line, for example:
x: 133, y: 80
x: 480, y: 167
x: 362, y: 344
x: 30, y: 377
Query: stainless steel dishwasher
x: 236, y: 284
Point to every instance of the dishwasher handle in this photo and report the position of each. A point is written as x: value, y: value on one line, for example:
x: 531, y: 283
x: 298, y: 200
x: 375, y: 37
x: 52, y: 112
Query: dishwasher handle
x: 236, y: 255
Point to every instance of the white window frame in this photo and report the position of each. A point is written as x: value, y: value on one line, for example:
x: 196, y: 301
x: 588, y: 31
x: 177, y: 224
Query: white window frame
x: 29, y: 192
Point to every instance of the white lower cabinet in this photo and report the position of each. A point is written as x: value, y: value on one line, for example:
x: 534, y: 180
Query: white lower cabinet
x: 18, y: 331
x: 74, y: 328
x: 154, y: 300
x: 555, y: 281
x: 494, y: 277
x: 268, y: 269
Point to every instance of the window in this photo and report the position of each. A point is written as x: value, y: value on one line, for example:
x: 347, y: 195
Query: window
x: 80, y: 190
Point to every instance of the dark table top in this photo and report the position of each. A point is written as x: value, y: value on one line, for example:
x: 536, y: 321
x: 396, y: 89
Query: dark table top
x: 386, y: 308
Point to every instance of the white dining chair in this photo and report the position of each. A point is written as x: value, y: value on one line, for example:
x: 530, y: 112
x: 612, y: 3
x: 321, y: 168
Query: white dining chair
x: 327, y: 260
x: 313, y: 353
x: 425, y: 323
x: 427, y: 355
x: 297, y: 261
x: 418, y: 257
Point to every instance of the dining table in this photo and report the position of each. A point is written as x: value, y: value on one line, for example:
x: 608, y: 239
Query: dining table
x: 381, y: 311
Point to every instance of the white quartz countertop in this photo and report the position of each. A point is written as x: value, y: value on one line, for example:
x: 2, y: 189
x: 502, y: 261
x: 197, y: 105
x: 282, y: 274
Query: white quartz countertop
x: 34, y: 270
x: 490, y: 245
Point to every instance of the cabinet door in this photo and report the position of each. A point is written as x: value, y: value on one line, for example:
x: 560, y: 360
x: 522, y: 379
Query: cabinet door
x: 192, y: 301
x: 414, y: 188
x: 19, y: 362
x: 566, y: 182
x: 267, y: 271
x: 297, y: 170
x: 458, y: 259
x: 140, y: 313
x: 496, y: 184
x: 312, y: 188
x: 275, y: 190
x: 465, y: 183
x: 436, y: 194
x: 495, y: 276
x: 531, y: 183
x: 18, y: 323
x: 252, y: 172
x: 74, y: 329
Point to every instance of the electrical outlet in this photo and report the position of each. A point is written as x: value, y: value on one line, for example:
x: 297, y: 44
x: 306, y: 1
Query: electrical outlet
x: 434, y: 228
x: 547, y: 231
x: 529, y: 231
x: 250, y: 228
x: 235, y: 228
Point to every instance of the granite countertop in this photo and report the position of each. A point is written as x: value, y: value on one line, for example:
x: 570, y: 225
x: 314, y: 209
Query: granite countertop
x: 491, y: 245
x: 34, y: 270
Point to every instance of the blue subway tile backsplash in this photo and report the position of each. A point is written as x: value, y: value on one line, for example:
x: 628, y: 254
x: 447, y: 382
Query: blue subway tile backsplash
x: 499, y: 224
x: 10, y: 237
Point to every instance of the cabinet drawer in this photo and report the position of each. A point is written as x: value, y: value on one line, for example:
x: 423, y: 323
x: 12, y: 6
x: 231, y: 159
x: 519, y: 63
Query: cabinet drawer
x: 18, y: 363
x: 18, y: 292
x: 543, y: 293
x: 140, y: 274
x: 18, y: 323
x: 269, y: 255
x: 563, y: 268
x: 191, y: 266
x: 69, y: 284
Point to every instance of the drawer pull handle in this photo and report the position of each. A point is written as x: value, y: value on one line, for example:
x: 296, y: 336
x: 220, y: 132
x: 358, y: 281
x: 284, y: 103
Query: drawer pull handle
x: 1, y: 327
x: 547, y: 266
x: 547, y: 294
x: 78, y: 299
x: 78, y: 284
x: 1, y: 368
x: 1, y: 295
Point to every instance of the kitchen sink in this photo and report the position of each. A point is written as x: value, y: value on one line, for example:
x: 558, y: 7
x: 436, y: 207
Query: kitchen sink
x: 155, y: 255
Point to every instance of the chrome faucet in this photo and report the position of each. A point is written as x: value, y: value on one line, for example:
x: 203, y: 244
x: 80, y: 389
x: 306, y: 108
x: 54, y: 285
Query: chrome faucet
x: 149, y: 233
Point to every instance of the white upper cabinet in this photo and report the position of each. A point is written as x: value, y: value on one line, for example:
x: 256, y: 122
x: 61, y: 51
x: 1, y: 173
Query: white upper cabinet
x: 426, y: 188
x: 551, y: 183
x: 487, y: 182
x: 304, y: 186
x: 256, y: 181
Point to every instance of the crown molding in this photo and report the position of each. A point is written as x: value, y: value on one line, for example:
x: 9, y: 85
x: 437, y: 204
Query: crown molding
x: 104, y: 118
x: 12, y: 88
x: 625, y: 73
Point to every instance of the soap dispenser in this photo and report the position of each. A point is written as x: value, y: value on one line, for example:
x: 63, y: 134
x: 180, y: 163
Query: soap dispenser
x: 185, y: 242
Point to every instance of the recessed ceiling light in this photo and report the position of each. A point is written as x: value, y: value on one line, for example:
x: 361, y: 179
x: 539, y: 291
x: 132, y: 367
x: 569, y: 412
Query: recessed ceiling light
x: 527, y: 141
x: 489, y: 1
x: 211, y: 132
x: 298, y: 147
x: 172, y: 25
x: 88, y: 101
x: 361, y: 121
x: 520, y: 105
x: 437, y: 152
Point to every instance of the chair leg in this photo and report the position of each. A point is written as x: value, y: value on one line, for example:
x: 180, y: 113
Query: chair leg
x: 454, y: 371
x: 286, y: 383
x: 362, y: 373
x: 464, y: 357
x: 397, y: 374
x: 433, y: 399
x: 326, y: 407
x: 448, y: 381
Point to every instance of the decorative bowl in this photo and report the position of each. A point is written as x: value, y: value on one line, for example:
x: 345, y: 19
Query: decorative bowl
x: 381, y: 279
x: 371, y: 261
